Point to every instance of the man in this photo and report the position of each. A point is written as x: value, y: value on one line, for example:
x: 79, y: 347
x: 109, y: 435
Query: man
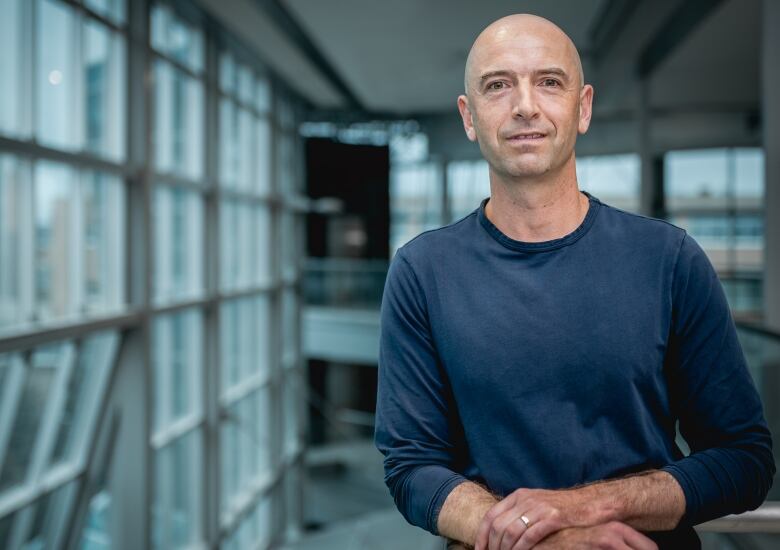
x: 537, y: 355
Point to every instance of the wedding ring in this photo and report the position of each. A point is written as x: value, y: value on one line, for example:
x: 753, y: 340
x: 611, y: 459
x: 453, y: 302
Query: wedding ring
x: 525, y: 520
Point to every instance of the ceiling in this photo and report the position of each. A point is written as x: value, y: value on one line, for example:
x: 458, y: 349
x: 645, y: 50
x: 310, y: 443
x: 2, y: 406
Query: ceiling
x: 406, y: 58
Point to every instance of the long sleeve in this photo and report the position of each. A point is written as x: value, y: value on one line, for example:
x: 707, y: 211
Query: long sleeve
x: 416, y: 422
x: 730, y: 468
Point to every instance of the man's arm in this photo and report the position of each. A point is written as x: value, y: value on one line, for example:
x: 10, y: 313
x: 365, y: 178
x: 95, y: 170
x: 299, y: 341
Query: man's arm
x: 417, y: 427
x: 463, y: 511
x: 468, y: 504
x: 652, y: 501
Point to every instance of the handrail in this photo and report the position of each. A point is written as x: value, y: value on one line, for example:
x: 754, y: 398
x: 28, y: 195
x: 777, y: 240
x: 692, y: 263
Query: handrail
x: 765, y: 519
x: 758, y: 329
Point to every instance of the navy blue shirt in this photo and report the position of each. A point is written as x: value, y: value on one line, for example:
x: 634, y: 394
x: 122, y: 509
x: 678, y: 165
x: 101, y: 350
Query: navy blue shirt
x: 557, y: 363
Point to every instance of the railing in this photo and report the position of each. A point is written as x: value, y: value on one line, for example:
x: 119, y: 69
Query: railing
x: 344, y: 282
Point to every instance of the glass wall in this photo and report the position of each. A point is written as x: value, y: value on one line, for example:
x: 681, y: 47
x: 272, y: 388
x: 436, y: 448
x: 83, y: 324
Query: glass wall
x: 150, y: 242
x: 717, y: 196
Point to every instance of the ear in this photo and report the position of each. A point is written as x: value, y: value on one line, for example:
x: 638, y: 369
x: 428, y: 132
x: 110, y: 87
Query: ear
x: 586, y: 108
x: 465, y: 114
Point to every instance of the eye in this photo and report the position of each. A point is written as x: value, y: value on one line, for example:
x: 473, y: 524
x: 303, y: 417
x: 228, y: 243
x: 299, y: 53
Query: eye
x: 551, y: 82
x: 496, y: 85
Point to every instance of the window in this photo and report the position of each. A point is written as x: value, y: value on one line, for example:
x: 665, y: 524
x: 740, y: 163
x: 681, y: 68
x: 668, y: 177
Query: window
x: 178, y: 226
x: 614, y: 179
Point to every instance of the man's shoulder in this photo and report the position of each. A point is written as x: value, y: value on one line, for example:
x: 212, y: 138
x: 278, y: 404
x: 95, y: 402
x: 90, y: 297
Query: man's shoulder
x: 639, y: 225
x: 440, y: 243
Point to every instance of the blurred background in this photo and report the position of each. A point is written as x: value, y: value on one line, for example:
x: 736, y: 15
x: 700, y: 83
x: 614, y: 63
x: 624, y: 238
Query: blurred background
x: 198, y: 203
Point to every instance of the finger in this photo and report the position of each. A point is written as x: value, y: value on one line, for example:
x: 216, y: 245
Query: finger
x: 513, y: 532
x: 637, y: 541
x: 483, y: 532
x: 537, y: 532
x: 507, y: 526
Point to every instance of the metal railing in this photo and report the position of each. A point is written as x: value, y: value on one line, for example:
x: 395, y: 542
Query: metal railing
x: 344, y: 282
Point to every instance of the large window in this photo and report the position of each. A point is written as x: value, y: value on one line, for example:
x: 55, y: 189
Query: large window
x: 717, y: 196
x: 150, y: 241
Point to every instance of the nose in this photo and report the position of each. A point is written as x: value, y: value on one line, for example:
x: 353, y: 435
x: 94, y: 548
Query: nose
x: 524, y: 102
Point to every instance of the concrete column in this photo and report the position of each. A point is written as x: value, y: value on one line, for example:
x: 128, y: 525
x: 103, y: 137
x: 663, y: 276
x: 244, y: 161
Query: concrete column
x: 770, y: 68
x: 651, y: 184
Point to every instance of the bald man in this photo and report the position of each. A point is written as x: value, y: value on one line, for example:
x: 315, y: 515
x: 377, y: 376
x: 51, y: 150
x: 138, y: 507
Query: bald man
x: 537, y: 355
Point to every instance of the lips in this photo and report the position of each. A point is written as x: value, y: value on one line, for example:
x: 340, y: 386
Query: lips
x: 529, y: 136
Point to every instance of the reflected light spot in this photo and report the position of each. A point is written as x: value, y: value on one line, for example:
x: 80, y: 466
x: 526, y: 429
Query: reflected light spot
x: 55, y: 77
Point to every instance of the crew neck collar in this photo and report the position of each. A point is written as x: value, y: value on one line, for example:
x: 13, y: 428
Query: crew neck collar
x: 542, y: 246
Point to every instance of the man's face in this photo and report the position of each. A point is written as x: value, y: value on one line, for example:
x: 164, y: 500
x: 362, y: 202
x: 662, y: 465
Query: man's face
x: 526, y: 102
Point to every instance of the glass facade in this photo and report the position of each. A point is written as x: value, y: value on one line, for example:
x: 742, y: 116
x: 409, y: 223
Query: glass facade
x: 149, y: 289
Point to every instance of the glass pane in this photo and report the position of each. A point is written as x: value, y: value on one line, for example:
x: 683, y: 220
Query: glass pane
x: 693, y: 176
x: 6, y: 523
x: 14, y: 66
x: 263, y: 157
x: 178, y: 225
x: 16, y: 229
x: 97, y: 527
x: 612, y: 178
x: 229, y: 342
x: 263, y: 94
x: 104, y: 91
x: 750, y: 175
x: 290, y: 326
x: 178, y: 122
x: 228, y: 143
x: 292, y: 405
x: 262, y: 335
x: 262, y: 238
x: 177, y: 366
x: 227, y: 73
x: 178, y: 493
x: 468, y: 183
x: 38, y: 386
x: 415, y: 201
x: 290, y: 245
x: 177, y: 39
x: 83, y: 394
x: 58, y: 109
x: 56, y: 240
x: 103, y: 199
x: 50, y: 513
x: 113, y: 10
x: 284, y: 164
x: 245, y: 84
x: 246, y: 151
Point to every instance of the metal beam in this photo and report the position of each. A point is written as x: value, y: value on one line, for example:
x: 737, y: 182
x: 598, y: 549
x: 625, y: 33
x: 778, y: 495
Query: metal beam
x: 287, y: 24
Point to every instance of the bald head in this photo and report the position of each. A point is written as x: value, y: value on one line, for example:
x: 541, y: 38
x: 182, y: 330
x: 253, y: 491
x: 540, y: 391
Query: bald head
x: 516, y: 30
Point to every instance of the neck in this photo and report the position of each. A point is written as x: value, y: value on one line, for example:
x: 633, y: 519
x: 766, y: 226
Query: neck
x: 536, y: 210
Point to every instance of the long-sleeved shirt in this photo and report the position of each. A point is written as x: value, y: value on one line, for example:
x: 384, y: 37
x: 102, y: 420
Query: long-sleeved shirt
x: 552, y: 364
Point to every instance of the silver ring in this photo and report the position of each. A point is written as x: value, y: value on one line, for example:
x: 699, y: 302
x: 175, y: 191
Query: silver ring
x: 525, y: 520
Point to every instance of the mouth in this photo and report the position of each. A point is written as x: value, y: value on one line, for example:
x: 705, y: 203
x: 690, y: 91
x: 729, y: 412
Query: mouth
x: 526, y: 137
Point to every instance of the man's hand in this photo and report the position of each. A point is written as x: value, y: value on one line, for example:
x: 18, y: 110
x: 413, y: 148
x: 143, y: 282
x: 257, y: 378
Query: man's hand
x: 527, y: 516
x: 650, y: 501
x: 608, y: 536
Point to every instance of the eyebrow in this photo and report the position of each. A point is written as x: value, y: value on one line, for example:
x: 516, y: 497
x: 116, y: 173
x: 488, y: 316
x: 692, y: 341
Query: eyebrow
x: 547, y: 70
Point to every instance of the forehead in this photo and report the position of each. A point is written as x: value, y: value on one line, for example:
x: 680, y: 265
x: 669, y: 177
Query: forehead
x: 521, y: 52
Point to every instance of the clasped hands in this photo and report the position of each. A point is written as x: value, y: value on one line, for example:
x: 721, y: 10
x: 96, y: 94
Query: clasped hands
x: 544, y: 519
